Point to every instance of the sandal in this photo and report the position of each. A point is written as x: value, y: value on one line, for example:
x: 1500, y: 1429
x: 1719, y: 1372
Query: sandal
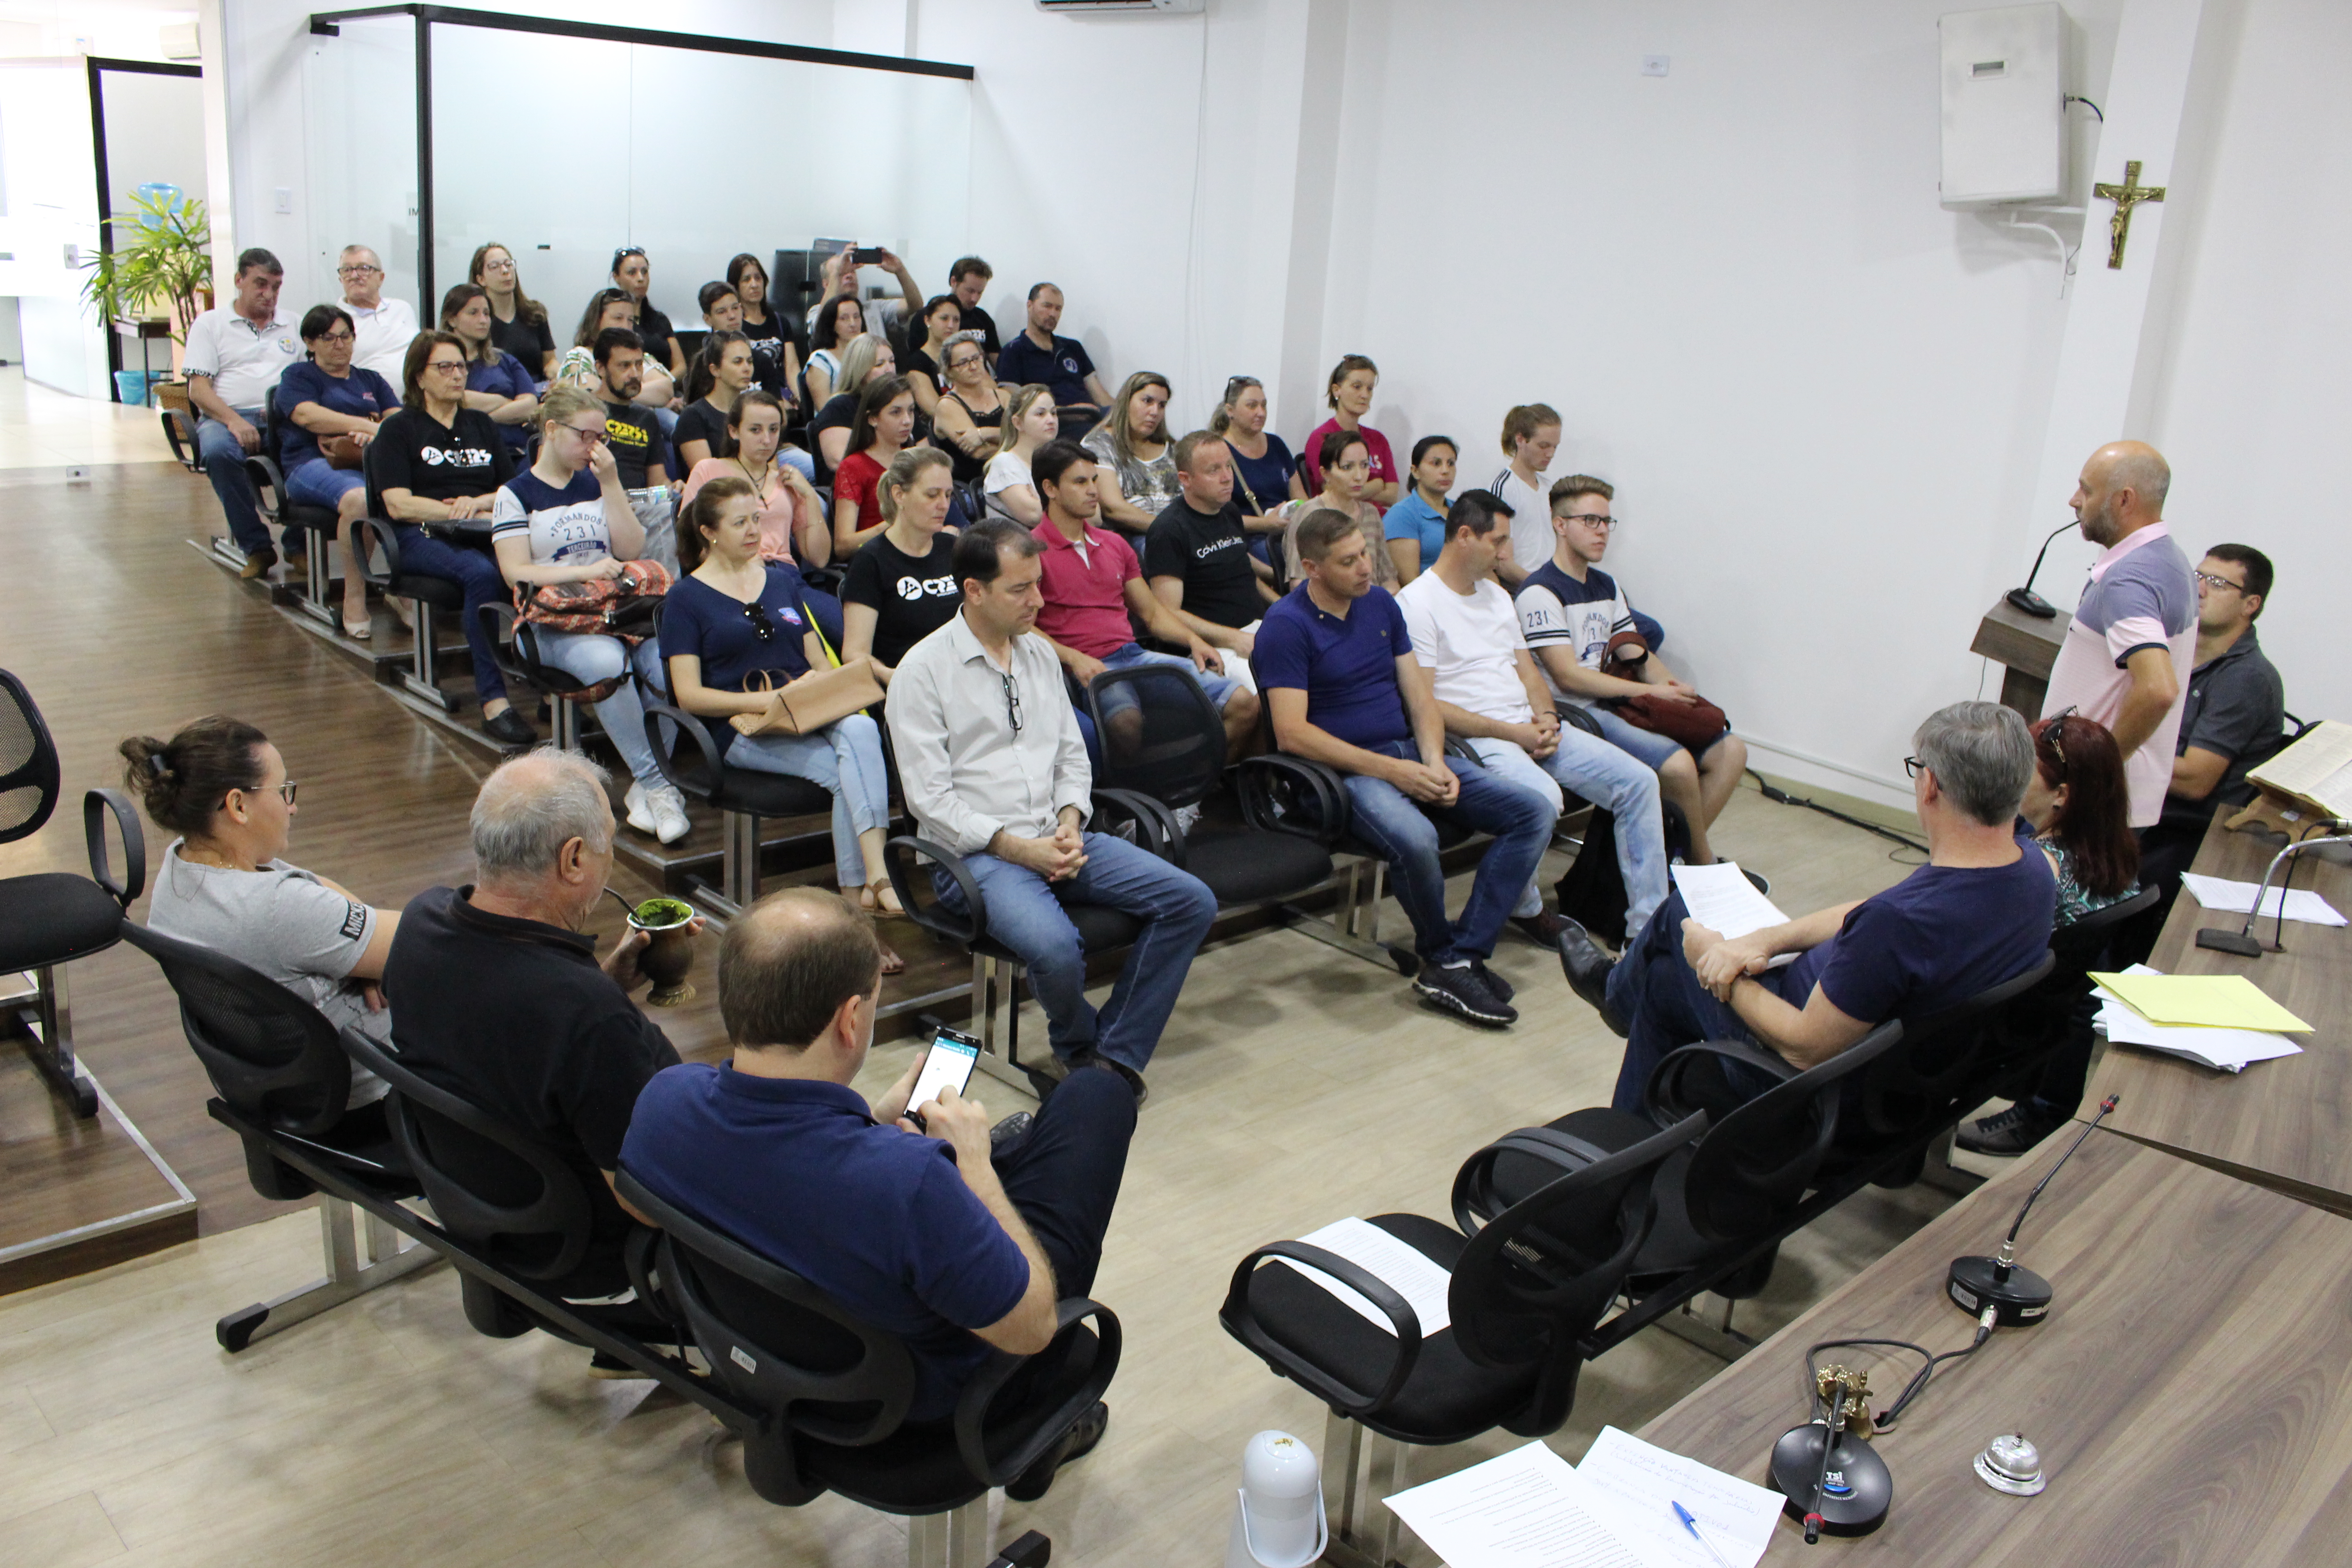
x: 360, y: 633
x: 891, y: 962
x: 871, y: 898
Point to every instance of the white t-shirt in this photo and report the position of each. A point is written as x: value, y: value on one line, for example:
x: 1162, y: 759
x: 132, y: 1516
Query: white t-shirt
x: 565, y: 525
x: 1470, y: 644
x: 243, y: 360
x: 1004, y: 470
x: 1531, y: 536
x: 384, y: 333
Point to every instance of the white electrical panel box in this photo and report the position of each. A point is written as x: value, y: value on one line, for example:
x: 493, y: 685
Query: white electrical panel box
x: 2004, y: 105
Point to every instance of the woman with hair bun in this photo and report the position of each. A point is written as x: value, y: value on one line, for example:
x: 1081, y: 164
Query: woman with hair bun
x: 222, y: 788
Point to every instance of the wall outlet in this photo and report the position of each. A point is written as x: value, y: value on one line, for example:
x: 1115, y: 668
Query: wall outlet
x: 76, y: 474
x: 1655, y: 65
x: 284, y: 195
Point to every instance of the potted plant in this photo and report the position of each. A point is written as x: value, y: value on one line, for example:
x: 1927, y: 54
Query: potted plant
x: 159, y: 265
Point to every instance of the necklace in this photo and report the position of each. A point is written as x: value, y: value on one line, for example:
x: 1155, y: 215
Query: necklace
x: 758, y: 482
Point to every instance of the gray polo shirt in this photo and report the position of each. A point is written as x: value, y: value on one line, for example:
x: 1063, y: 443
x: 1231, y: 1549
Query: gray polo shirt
x: 2236, y: 707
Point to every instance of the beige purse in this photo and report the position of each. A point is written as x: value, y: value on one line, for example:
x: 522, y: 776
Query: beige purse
x: 808, y: 705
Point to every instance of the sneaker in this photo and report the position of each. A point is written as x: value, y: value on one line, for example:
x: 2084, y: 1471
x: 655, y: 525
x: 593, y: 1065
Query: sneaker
x: 668, y: 808
x: 1187, y: 816
x: 1503, y: 989
x: 1460, y: 992
x: 1010, y: 1134
x: 1758, y: 880
x: 257, y: 564
x: 1587, y: 967
x: 2010, y: 1133
x: 637, y: 810
x: 1076, y: 1443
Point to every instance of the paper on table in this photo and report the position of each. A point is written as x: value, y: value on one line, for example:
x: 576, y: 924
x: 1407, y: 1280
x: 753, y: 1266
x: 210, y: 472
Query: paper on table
x: 2228, y: 1050
x: 1525, y: 1509
x: 1636, y: 1486
x: 2206, y: 1001
x: 1721, y: 899
x: 1402, y: 1268
x: 2221, y: 894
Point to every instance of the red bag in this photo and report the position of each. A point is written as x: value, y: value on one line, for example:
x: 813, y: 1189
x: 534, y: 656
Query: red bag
x: 620, y: 606
x: 1697, y: 725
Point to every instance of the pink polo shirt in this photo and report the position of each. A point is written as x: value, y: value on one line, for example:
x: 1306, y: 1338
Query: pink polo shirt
x: 1085, y: 590
x: 2141, y: 594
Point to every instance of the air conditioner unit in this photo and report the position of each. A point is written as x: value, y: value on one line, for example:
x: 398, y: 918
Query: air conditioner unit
x: 1172, y: 7
x: 2004, y: 105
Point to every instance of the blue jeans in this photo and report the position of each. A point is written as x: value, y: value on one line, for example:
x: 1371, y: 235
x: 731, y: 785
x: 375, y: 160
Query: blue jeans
x: 1616, y: 783
x: 224, y: 464
x: 1665, y: 1008
x: 1025, y: 912
x: 590, y: 656
x: 1220, y: 688
x: 845, y: 758
x: 1398, y: 829
x: 314, y: 481
x: 1652, y: 748
x: 472, y: 570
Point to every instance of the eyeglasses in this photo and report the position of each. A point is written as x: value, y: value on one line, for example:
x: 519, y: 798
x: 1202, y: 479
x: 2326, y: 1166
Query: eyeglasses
x: 2210, y: 581
x: 1915, y: 767
x: 757, y: 613
x: 284, y: 792
x: 623, y: 254
x: 1011, y: 700
x: 1593, y: 520
x: 336, y: 338
x: 358, y: 271
x: 592, y: 434
x: 967, y: 362
x: 507, y: 266
x: 445, y: 365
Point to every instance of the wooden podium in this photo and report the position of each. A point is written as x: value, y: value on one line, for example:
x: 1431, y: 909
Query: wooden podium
x: 2025, y: 646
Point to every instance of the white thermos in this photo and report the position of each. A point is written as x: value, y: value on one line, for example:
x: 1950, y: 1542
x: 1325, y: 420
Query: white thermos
x: 1278, y: 1519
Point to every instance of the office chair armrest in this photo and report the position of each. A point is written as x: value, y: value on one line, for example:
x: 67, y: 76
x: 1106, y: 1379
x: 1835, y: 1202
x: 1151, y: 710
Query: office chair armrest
x: 94, y: 808
x: 1154, y: 823
x: 1240, y: 1321
x: 824, y: 579
x: 386, y: 534
x: 1475, y: 1202
x: 1576, y: 716
x: 923, y: 905
x: 971, y: 1409
x: 655, y: 710
x: 1259, y: 781
x: 266, y: 474
x: 1664, y: 1093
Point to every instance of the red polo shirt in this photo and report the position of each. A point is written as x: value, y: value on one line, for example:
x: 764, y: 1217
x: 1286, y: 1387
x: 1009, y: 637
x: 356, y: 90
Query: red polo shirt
x: 1086, y: 591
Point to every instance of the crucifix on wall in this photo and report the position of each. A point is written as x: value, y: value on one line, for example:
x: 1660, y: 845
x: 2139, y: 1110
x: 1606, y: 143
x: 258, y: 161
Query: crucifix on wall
x: 2126, y: 196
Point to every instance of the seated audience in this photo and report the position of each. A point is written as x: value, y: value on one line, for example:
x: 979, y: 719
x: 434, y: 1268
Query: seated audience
x: 901, y: 585
x: 567, y: 519
x: 2080, y: 809
x: 1530, y: 437
x: 793, y: 526
x: 1335, y: 661
x: 1416, y: 527
x: 867, y: 359
x: 1197, y: 557
x: 383, y: 327
x: 1031, y: 421
x: 633, y: 275
x: 1978, y: 913
x: 776, y: 338
x: 504, y: 1004
x: 496, y: 383
x: 234, y: 356
x: 715, y: 377
x: 1262, y: 461
x: 884, y: 427
x: 1582, y: 632
x: 957, y: 1238
x: 1344, y: 464
x: 969, y: 418
x: 225, y: 884
x: 1057, y: 363
x: 837, y: 279
x: 722, y: 309
x: 840, y: 321
x: 633, y: 434
x: 437, y: 466
x: 615, y: 310
x: 1092, y: 584
x: 734, y: 617
x: 927, y: 343
x: 1467, y: 635
x: 518, y: 324
x: 1349, y: 392
x: 1136, y: 477
x: 326, y: 395
x: 992, y: 768
x: 967, y: 281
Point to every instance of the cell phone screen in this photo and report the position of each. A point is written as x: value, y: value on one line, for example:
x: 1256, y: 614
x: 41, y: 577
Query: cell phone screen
x: 948, y: 1065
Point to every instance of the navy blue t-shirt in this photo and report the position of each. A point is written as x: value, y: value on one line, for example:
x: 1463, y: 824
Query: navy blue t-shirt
x: 506, y: 376
x: 1932, y: 941
x: 700, y: 622
x: 1063, y: 368
x: 362, y: 394
x: 1347, y: 668
x: 1267, y: 478
x: 877, y: 1217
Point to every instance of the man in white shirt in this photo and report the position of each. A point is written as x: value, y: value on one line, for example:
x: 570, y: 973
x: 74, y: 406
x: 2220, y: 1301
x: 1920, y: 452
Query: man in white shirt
x: 385, y: 327
x: 993, y: 768
x: 1467, y: 634
x: 234, y: 358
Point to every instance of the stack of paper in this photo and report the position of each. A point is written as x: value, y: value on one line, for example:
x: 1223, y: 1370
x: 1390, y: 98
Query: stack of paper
x: 1404, y: 1268
x: 2228, y: 1049
x: 1721, y: 898
x: 2236, y: 898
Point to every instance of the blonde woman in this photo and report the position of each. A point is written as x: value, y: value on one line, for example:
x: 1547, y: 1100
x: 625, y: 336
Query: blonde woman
x: 901, y: 585
x: 1031, y: 420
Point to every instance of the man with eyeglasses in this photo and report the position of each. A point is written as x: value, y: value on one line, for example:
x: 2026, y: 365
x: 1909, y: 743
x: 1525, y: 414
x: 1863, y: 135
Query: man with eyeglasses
x: 993, y: 768
x: 234, y: 357
x: 385, y: 327
x: 1585, y: 639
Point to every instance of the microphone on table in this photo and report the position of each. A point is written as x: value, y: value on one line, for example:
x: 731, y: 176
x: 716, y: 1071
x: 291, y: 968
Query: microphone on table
x: 2025, y: 599
x: 2019, y: 1297
x: 1830, y: 1478
x: 2242, y: 942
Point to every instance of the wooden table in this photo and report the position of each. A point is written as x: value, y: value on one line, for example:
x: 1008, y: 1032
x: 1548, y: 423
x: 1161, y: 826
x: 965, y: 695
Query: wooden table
x: 2285, y: 1124
x: 2026, y: 647
x: 2190, y: 1390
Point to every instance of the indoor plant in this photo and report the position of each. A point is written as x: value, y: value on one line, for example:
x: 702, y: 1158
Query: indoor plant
x: 159, y: 263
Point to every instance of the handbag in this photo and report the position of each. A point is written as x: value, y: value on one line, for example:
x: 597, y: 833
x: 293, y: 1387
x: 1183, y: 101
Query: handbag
x: 618, y: 606
x: 809, y: 704
x: 1696, y: 724
x: 342, y: 451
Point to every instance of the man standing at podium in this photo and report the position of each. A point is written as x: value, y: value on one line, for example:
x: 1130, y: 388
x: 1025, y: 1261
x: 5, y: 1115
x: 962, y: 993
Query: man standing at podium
x: 2128, y: 651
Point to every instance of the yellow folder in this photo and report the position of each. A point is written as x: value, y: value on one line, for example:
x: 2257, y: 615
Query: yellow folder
x: 2202, y: 1001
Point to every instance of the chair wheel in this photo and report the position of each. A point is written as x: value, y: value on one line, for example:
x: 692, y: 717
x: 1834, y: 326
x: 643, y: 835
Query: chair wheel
x: 237, y: 1330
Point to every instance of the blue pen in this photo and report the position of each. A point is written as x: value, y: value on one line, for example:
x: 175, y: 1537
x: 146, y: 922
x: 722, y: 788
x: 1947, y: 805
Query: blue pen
x: 1692, y: 1525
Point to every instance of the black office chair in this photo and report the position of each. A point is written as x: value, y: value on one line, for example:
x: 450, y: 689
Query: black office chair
x: 51, y: 918
x: 420, y: 683
x: 1529, y: 1281
x: 514, y: 643
x: 295, y: 519
x: 180, y: 433
x: 832, y: 1390
x: 283, y: 1082
x: 743, y: 797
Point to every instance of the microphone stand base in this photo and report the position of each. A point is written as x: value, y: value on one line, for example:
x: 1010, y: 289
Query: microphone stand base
x: 2018, y: 1301
x: 2219, y: 940
x: 1859, y: 1488
x: 2030, y: 603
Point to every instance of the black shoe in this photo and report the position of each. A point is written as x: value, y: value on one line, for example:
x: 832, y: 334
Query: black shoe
x: 612, y: 1366
x: 1503, y: 989
x: 1587, y: 968
x: 1542, y: 928
x: 1460, y: 992
x: 1031, y: 1484
x: 2012, y: 1132
x: 1134, y: 1079
x: 1009, y: 1133
x: 1758, y: 879
x: 509, y: 728
x: 1043, y: 1080
x: 257, y: 563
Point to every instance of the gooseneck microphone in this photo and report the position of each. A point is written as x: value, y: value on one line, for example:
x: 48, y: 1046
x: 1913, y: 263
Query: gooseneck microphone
x: 2025, y: 599
x: 2242, y: 942
x: 2018, y: 1297
x: 1830, y: 1478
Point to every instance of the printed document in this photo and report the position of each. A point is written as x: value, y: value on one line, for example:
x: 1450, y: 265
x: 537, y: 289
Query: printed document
x: 1403, y: 1269
x: 1527, y: 1509
x: 1636, y: 1486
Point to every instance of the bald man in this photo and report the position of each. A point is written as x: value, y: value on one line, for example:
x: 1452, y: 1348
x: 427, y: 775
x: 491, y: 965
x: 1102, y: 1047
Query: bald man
x: 2128, y: 651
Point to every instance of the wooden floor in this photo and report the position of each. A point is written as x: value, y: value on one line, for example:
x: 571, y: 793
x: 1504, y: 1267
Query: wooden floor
x: 1294, y: 1086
